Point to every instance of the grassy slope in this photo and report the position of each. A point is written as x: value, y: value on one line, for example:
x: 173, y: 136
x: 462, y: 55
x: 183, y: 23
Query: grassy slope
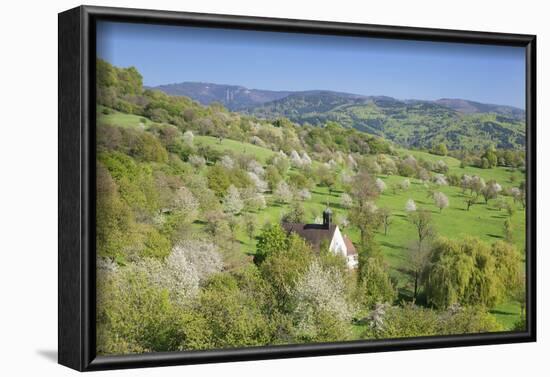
x: 500, y: 174
x: 455, y: 222
x: 261, y: 154
x: 122, y: 119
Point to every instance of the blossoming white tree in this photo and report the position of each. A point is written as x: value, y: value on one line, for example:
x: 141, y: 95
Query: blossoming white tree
x: 346, y: 201
x: 256, y: 168
x: 227, y: 162
x: 185, y: 201
x: 320, y: 291
x: 303, y: 194
x: 189, y: 263
x: 410, y: 206
x: 197, y: 161
x: 380, y: 185
x: 188, y: 137
x: 440, y: 180
x: 441, y: 200
x: 232, y: 201
x: 260, y: 184
x: 295, y: 159
x: 306, y: 160
x: 283, y: 193
x: 203, y: 256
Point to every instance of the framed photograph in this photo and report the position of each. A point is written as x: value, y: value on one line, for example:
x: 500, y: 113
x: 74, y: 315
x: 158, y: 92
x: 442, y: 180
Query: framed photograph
x: 238, y: 188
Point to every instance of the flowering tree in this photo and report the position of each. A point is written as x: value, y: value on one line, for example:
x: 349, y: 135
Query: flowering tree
x: 177, y: 275
x: 283, y: 193
x: 256, y: 168
x: 197, y: 161
x: 188, y: 137
x: 257, y: 141
x: 306, y: 160
x: 185, y: 201
x: 441, y: 167
x: 342, y: 221
x: 441, y: 200
x: 319, y: 294
x: 227, y: 162
x: 380, y: 185
x: 465, y: 182
x: 232, y: 202
x: 440, y: 180
x: 303, y: 194
x: 189, y: 263
x: 351, y: 162
x: 295, y: 159
x: 261, y: 185
x: 346, y: 201
x: 424, y: 175
x: 202, y: 255
x: 346, y: 178
x: 491, y: 190
x: 405, y: 184
x: 410, y: 206
x: 257, y: 201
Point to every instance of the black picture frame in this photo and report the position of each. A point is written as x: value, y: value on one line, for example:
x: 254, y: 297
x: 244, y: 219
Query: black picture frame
x: 76, y: 186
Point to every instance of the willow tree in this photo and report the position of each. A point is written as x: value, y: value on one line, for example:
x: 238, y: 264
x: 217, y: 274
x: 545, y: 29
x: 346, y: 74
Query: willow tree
x: 470, y: 272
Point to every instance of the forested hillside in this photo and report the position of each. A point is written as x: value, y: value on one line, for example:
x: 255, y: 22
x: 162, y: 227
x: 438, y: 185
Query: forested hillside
x: 192, y: 255
x: 411, y: 123
x: 415, y: 124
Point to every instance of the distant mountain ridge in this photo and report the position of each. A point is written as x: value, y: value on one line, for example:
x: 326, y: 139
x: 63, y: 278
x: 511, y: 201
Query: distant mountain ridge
x: 234, y: 97
x: 237, y: 97
x: 472, y: 107
x: 411, y: 123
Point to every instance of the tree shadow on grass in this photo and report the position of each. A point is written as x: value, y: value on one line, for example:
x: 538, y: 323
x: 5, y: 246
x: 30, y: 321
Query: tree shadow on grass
x: 500, y: 312
x: 338, y: 206
x: 319, y: 193
x: 499, y: 216
x: 404, y: 271
x: 390, y: 245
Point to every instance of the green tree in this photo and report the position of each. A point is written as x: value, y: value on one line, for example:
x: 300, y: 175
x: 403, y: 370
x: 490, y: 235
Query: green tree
x: 374, y: 285
x: 250, y: 226
x: 134, y: 315
x: 235, y: 319
x: 326, y: 178
x: 272, y: 239
x: 296, y: 214
x: 363, y: 213
x: 385, y: 215
x: 491, y: 157
x: 422, y: 221
x: 508, y: 231
x: 272, y: 177
x: 440, y: 149
x: 284, y: 266
x: 218, y: 180
x: 114, y: 220
x: 469, y: 272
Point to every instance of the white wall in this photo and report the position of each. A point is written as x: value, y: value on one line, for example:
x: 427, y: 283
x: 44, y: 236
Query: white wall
x: 337, y: 244
x: 28, y: 158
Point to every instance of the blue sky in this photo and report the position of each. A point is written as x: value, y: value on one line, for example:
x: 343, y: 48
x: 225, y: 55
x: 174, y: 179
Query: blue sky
x: 285, y: 61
